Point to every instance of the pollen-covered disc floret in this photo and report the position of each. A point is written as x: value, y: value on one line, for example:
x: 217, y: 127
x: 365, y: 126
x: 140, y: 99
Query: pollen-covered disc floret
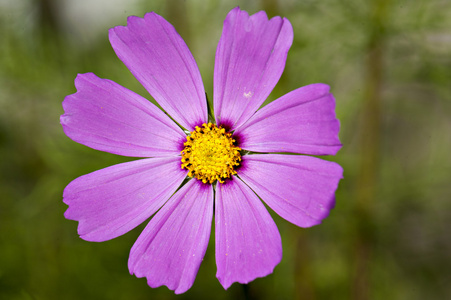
x: 210, y: 154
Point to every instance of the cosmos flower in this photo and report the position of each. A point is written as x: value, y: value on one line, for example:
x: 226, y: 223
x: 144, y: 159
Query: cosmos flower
x: 195, y: 169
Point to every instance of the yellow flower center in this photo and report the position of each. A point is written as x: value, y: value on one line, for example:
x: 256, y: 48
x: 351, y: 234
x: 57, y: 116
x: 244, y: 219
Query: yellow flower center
x: 210, y: 154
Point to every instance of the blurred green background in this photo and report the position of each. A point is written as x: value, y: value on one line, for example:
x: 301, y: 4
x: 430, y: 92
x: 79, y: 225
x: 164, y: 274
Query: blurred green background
x: 389, y: 66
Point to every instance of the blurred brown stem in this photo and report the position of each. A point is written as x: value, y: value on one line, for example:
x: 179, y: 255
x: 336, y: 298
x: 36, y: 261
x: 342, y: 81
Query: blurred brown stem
x: 178, y: 16
x: 369, y: 149
x: 48, y: 22
x: 304, y: 286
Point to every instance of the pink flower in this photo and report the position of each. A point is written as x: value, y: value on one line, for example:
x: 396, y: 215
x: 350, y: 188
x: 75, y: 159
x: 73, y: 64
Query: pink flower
x: 221, y: 162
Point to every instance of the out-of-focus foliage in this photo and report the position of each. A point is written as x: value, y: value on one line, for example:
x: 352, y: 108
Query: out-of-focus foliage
x: 389, y: 66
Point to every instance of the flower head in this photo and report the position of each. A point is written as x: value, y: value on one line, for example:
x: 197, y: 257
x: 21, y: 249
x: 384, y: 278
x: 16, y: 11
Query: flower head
x: 227, y: 161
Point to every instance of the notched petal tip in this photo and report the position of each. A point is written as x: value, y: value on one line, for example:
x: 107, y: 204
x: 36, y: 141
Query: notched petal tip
x: 337, y: 145
x: 227, y: 282
x: 131, y: 20
x: 65, y: 119
x: 287, y: 31
x: 134, y: 19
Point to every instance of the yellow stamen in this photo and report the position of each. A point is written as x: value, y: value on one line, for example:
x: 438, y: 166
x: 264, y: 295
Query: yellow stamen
x: 210, y: 154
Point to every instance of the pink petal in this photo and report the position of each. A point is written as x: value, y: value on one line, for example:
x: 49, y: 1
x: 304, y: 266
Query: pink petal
x: 159, y: 58
x: 299, y: 188
x: 302, y: 121
x: 110, y: 202
x: 250, y: 59
x: 170, y: 249
x: 108, y: 117
x: 248, y: 244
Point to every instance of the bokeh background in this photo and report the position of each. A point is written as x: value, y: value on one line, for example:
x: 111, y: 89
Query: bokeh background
x: 388, y: 63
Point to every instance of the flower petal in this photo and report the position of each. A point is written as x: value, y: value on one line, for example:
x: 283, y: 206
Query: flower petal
x: 302, y: 121
x: 250, y: 59
x: 170, y: 249
x: 159, y: 58
x: 108, y: 117
x: 110, y: 202
x: 248, y: 244
x: 299, y: 188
